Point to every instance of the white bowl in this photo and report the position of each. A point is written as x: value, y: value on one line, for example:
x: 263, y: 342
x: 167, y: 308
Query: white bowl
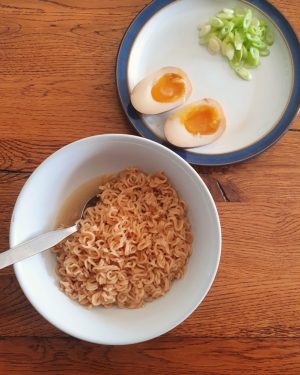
x: 36, y: 210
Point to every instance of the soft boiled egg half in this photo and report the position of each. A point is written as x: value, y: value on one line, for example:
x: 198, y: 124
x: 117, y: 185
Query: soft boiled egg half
x: 195, y: 124
x: 161, y: 91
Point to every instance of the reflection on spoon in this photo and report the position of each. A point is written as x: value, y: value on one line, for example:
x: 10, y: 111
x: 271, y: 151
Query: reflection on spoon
x: 43, y: 241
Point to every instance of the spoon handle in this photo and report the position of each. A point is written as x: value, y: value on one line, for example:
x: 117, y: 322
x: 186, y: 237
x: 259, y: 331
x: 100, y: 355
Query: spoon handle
x: 35, y: 246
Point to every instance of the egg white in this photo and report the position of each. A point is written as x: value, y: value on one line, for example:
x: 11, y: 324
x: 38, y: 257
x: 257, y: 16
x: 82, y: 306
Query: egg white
x: 177, y: 134
x: 141, y: 97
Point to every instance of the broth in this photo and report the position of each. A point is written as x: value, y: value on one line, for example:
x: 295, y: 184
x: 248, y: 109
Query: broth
x: 71, y: 208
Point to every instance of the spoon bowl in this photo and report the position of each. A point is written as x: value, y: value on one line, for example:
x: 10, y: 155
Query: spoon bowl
x: 42, y: 242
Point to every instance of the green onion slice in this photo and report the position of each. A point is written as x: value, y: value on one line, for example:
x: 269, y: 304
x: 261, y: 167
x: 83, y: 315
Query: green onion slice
x: 240, y: 36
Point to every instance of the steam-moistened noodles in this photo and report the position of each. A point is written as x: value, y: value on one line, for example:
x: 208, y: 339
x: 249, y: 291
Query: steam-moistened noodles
x: 130, y: 246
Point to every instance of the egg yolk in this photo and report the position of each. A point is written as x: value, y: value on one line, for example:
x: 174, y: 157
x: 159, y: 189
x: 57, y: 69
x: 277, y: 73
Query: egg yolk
x: 202, y: 119
x: 169, y: 88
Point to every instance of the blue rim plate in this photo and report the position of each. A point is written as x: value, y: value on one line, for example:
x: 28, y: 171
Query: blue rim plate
x: 236, y: 156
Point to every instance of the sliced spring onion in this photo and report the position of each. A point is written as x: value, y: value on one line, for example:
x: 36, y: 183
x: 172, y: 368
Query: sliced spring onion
x: 239, y: 36
x: 228, y: 11
x: 228, y: 27
x: 216, y: 22
x: 253, y: 57
x: 245, y: 53
x: 264, y: 52
x: 238, y: 40
x: 238, y: 55
x: 269, y: 37
x: 224, y: 16
x: 238, y: 20
x: 243, y: 73
x: 262, y: 23
x: 255, y: 22
x: 247, y: 20
x: 260, y: 45
x: 214, y: 44
x: 252, y: 38
x: 255, y: 30
x: 204, y: 30
x: 229, y: 51
x: 229, y: 37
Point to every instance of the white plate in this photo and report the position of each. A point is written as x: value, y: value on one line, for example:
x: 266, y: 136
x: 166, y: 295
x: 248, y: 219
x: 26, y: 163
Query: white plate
x: 167, y: 35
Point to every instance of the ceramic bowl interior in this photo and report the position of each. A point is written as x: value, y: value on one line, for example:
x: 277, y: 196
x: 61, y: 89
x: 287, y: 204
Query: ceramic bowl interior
x: 36, y: 211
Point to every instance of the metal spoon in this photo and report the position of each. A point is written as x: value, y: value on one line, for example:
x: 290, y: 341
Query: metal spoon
x: 42, y: 242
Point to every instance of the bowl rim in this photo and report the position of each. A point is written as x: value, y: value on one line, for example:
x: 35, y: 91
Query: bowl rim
x: 18, y: 272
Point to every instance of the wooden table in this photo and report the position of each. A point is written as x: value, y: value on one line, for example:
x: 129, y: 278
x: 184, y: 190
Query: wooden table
x: 57, y: 85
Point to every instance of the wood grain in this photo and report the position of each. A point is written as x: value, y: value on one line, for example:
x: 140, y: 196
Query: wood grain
x: 10, y: 186
x: 57, y: 85
x: 164, y: 356
x: 256, y: 291
x: 57, y: 71
x: 274, y: 174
